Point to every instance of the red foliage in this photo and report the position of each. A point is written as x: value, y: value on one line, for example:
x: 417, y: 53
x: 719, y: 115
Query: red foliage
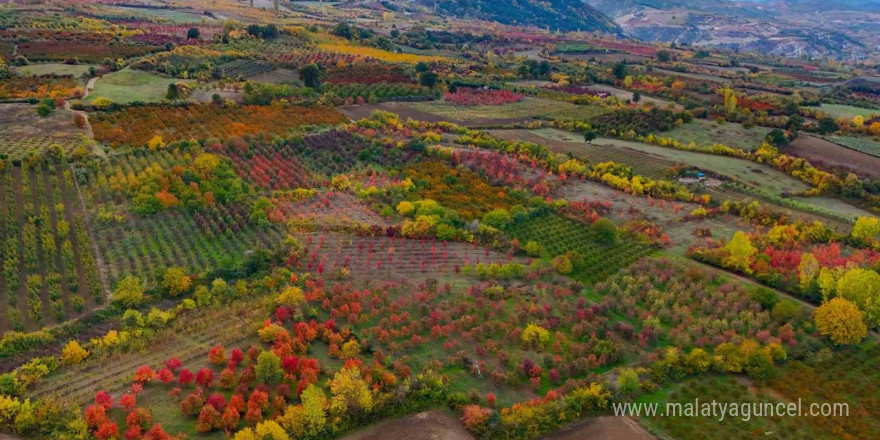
x: 217, y: 355
x: 209, y: 419
x: 205, y: 377
x: 107, y: 431
x: 95, y: 416
x: 217, y: 401
x: 165, y: 375
x: 469, y: 96
x: 144, y: 374
x: 140, y: 417
x: 156, y: 433
x: 185, y: 377
x: 103, y: 398
x: 134, y: 433
x: 236, y: 356
x: 173, y: 364
x: 127, y: 402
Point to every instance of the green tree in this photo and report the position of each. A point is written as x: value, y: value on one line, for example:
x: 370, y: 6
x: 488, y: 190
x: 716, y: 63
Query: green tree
x: 268, y: 369
x: 866, y: 229
x: 129, y: 292
x: 740, y: 251
x: 862, y: 288
x: 428, y: 79
x: 310, y: 75
x: 497, y: 218
x: 193, y: 33
x: 628, y: 381
x: 828, y: 125
x: 619, y: 70
x: 663, y: 56
x: 604, y: 231
x: 173, y: 92
x: 176, y: 281
x: 314, y: 409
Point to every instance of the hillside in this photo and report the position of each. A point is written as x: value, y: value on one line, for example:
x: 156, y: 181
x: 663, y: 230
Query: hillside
x: 837, y: 29
x: 564, y: 15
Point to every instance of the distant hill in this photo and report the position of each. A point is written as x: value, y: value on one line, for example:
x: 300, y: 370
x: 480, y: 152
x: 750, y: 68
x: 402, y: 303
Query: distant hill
x: 565, y: 15
x: 844, y: 29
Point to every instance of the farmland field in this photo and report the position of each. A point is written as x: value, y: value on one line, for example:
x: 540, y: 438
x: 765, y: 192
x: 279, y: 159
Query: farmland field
x: 129, y: 85
x: 832, y: 154
x: 862, y: 144
x: 846, y: 111
x: 744, y: 171
x: 558, y: 236
x: 528, y: 108
x: 705, y: 133
x: 75, y: 70
x: 232, y: 220
x: 23, y: 132
x: 49, y: 272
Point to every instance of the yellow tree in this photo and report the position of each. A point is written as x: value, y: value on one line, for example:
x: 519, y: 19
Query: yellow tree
x: 841, y: 321
x: 314, y: 404
x: 73, y: 353
x: 808, y: 269
x: 349, y: 392
x: 862, y: 288
x: 866, y: 229
x: 129, y: 292
x: 176, y: 281
x: 740, y: 251
x: 535, y: 336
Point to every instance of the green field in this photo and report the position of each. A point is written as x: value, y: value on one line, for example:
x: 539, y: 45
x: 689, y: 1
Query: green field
x: 731, y: 134
x: 863, y: 144
x: 724, y: 390
x: 166, y: 14
x: 846, y: 111
x: 76, y: 70
x: 761, y: 176
x: 526, y: 108
x: 132, y: 85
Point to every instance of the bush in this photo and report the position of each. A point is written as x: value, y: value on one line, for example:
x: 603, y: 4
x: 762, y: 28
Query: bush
x: 604, y: 231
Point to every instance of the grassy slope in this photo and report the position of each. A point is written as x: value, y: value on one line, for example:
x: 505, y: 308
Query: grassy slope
x: 129, y: 85
x: 707, y: 133
x: 76, y: 70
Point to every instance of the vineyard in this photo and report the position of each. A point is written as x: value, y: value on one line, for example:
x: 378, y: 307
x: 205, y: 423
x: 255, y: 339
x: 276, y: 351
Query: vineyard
x: 491, y: 220
x: 49, y: 271
x: 201, y: 121
x: 23, y: 132
x: 40, y: 87
x: 558, y: 236
x: 468, y: 96
x: 137, y: 244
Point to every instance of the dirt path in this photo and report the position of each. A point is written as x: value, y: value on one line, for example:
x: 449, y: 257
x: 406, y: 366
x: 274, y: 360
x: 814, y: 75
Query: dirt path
x: 99, y: 258
x: 428, y: 425
x: 88, y: 126
x: 602, y: 428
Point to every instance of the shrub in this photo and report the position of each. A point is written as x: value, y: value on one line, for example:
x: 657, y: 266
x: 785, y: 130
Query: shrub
x: 841, y: 321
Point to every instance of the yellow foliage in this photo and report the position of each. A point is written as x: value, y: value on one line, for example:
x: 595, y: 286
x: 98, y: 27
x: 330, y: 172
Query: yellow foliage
x: 841, y: 321
x: 73, y: 353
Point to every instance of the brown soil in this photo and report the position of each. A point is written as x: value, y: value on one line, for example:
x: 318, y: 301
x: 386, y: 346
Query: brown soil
x: 829, y: 154
x: 428, y: 425
x: 404, y: 109
x: 603, y: 428
x: 407, y: 110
